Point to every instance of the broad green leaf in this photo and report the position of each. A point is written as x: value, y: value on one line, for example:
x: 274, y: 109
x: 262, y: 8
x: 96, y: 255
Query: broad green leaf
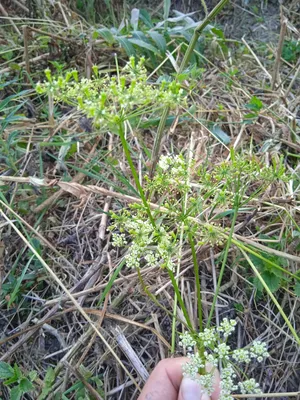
x: 15, y: 393
x: 297, y: 289
x: 134, y: 20
x: 143, y: 44
x: 107, y: 35
x: 6, y: 371
x: 126, y: 45
x: 273, y: 281
x: 159, y: 40
x: 220, y: 134
x: 25, y: 385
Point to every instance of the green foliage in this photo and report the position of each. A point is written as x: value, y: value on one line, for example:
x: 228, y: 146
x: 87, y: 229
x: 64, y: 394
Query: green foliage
x: 159, y: 244
x: 291, y: 50
x: 150, y: 38
x: 79, y: 391
x: 297, y: 289
x: 112, y: 99
x: 48, y: 383
x: 18, y: 382
x: 273, y: 277
x: 255, y: 105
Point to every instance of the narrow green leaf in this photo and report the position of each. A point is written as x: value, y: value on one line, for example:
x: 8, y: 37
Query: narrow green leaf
x: 297, y: 289
x: 126, y: 45
x: 143, y: 44
x: 146, y: 18
x: 220, y: 134
x: 134, y: 20
x: 159, y: 40
x: 167, y: 6
x: 106, y: 34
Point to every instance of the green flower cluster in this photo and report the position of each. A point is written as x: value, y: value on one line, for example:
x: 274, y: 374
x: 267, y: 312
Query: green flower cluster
x: 111, y: 98
x: 211, y: 347
x: 171, y: 176
x: 149, y: 246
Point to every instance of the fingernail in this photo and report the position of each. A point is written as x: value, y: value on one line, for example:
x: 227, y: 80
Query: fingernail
x: 191, y: 390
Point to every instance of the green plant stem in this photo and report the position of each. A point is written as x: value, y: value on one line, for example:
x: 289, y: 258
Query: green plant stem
x: 229, y: 240
x: 284, y: 316
x: 134, y: 173
x: 197, y: 32
x: 197, y: 279
x: 180, y: 300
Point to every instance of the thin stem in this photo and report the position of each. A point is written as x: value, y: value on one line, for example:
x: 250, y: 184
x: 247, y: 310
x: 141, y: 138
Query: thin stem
x: 135, y: 174
x: 197, y: 32
x: 181, y: 303
x: 224, y: 258
x: 197, y: 279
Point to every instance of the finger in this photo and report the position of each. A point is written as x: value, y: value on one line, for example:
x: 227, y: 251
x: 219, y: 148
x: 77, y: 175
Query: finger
x: 165, y: 380
x: 192, y: 390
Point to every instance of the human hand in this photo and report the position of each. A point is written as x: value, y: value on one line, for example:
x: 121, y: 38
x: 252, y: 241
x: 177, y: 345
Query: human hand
x: 167, y: 383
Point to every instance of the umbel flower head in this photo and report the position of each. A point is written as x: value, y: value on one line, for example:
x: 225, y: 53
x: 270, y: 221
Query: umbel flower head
x: 107, y: 98
x: 211, y: 348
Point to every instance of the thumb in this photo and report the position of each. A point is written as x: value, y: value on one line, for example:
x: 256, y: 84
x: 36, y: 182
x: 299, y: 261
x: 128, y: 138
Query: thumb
x: 191, y: 390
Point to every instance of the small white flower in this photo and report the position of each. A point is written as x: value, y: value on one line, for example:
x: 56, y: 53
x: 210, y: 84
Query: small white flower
x: 223, y: 351
x: 258, y: 350
x: 187, y: 340
x: 227, y: 327
x: 211, y: 359
x: 118, y: 240
x: 151, y: 258
x: 249, y: 386
x: 241, y: 355
x: 192, y: 367
x: 208, y: 336
x: 207, y: 383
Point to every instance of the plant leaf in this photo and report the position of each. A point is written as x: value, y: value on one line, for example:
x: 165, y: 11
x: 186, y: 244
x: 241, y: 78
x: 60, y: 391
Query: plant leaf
x: 220, y: 134
x: 143, y: 44
x: 167, y: 6
x: 48, y: 383
x: 25, y: 385
x: 15, y: 393
x: 273, y: 281
x: 134, y: 20
x: 6, y: 371
x: 126, y: 45
x: 255, y: 104
x: 159, y: 40
x: 106, y: 34
x: 297, y: 289
x: 145, y: 17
